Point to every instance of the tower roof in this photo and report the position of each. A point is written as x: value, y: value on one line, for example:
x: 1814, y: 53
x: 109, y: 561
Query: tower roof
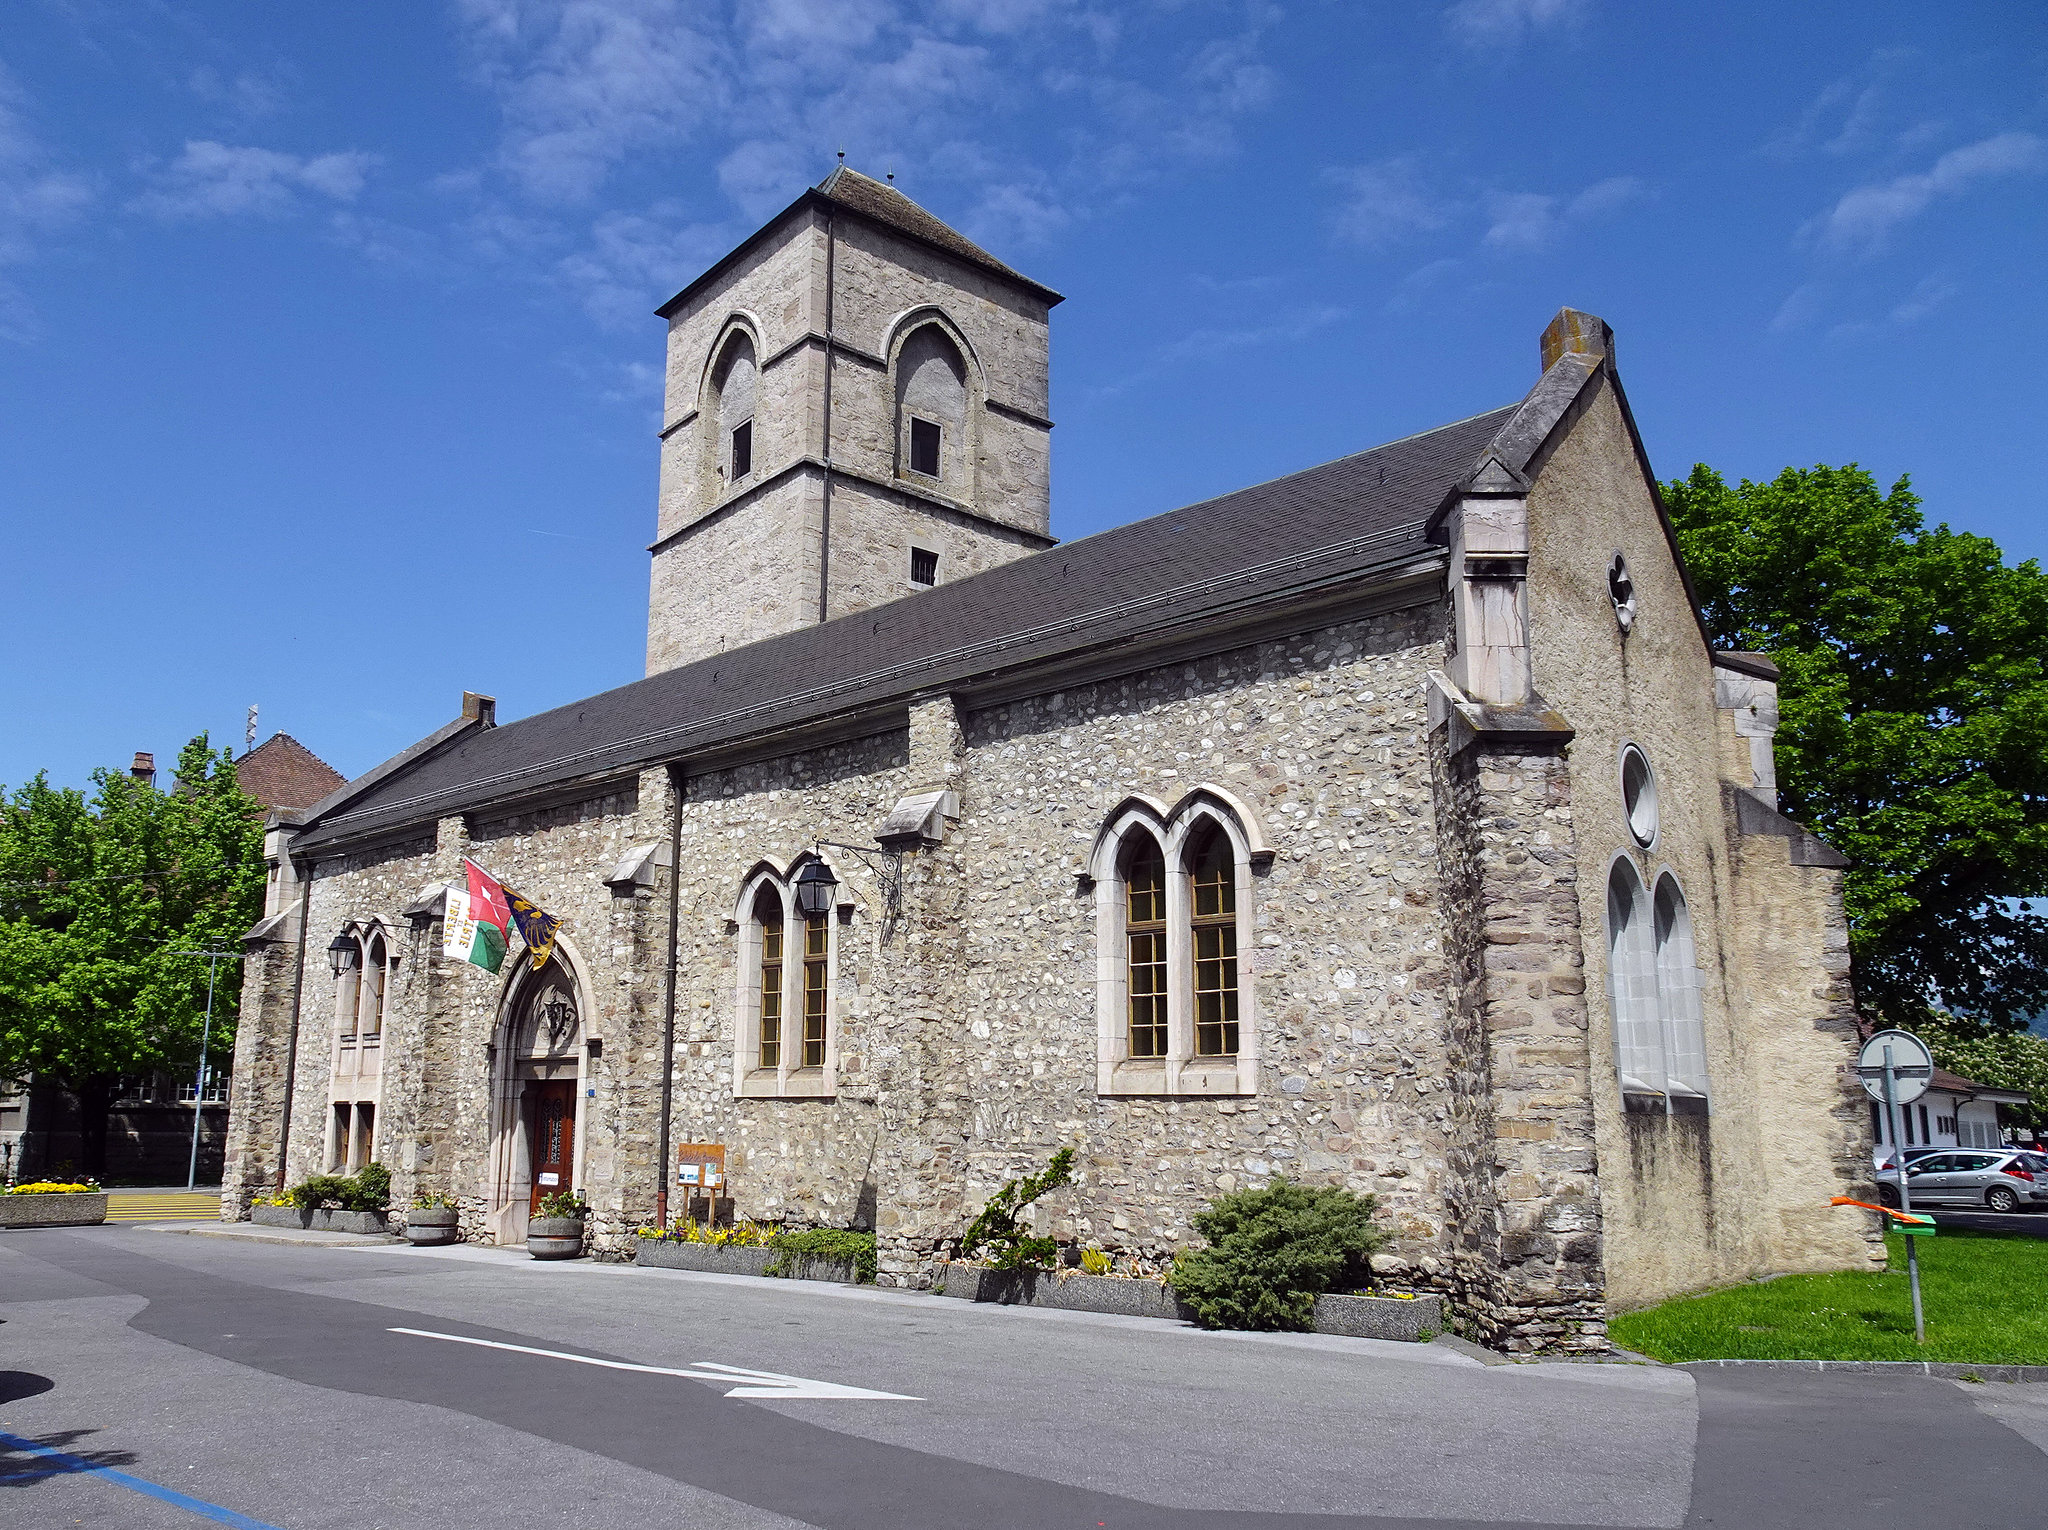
x: 882, y: 204
x: 281, y: 772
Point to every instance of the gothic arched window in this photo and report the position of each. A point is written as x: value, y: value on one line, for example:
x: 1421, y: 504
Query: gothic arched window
x: 786, y: 1041
x: 1144, y: 868
x: 1678, y: 993
x: 734, y: 381
x: 1632, y: 983
x: 1173, y: 900
x: 931, y: 408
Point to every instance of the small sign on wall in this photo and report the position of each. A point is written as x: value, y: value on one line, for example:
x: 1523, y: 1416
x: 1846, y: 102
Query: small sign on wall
x: 549, y: 1181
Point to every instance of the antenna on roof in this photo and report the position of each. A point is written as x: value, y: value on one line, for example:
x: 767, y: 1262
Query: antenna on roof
x: 249, y: 733
x: 842, y: 156
x: 892, y: 177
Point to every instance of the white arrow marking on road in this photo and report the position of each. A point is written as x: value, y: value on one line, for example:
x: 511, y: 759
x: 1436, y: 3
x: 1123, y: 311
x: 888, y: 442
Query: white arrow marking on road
x: 766, y: 1384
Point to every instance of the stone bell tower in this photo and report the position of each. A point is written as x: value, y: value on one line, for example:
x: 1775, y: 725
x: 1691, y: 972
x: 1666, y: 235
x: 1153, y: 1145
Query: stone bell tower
x: 856, y: 410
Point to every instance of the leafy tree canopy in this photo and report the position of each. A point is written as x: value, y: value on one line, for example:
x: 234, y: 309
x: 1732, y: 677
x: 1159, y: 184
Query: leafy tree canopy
x: 1914, y: 722
x: 2012, y: 1060
x: 98, y: 898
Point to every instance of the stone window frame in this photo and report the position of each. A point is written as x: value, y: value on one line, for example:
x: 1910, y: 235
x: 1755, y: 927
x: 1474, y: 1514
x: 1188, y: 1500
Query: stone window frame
x: 1180, y: 1072
x: 1654, y: 997
x: 713, y: 434
x: 1629, y: 751
x: 788, y: 1080
x: 959, y: 460
x: 355, y: 1042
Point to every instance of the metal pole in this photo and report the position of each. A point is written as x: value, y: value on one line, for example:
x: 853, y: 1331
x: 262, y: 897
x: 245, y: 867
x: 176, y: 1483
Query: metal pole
x: 1891, y: 1107
x: 199, y: 1084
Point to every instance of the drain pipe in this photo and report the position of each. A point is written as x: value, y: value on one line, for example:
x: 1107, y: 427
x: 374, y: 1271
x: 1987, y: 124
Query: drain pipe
x: 668, y: 1018
x: 825, y: 520
x: 291, y: 1049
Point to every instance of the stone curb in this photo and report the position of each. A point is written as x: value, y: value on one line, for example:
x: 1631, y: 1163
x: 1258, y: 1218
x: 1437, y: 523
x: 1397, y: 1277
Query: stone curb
x: 1948, y: 1370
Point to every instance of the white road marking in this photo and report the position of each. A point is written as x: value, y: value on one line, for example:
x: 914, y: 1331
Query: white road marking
x: 767, y: 1384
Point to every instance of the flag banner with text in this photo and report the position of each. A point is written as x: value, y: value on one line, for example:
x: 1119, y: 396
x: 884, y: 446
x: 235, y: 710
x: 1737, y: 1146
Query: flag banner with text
x: 477, y: 927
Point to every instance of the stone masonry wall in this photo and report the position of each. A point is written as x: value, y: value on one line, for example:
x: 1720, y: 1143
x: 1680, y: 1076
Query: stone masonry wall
x: 1529, y: 1266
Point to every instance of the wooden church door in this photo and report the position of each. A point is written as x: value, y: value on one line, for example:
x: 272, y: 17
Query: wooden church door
x: 554, y: 1138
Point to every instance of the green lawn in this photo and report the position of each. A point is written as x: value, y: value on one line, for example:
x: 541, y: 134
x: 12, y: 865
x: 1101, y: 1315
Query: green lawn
x: 1986, y: 1299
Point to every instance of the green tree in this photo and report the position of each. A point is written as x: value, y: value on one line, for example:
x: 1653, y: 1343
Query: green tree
x: 97, y: 899
x: 2012, y: 1060
x: 1914, y: 722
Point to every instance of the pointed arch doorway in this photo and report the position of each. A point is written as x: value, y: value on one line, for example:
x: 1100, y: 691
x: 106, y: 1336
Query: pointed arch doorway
x: 537, y: 1066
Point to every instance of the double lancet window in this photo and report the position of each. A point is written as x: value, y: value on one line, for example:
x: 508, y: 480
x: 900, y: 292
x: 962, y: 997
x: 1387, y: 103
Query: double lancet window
x: 1174, y: 1014
x: 786, y: 1041
x: 1653, y: 985
x: 364, y: 962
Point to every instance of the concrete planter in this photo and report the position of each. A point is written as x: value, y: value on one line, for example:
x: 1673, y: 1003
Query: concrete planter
x: 363, y: 1223
x: 1358, y: 1317
x: 83, y: 1208
x: 713, y: 1259
x: 554, y: 1237
x: 1380, y: 1317
x: 1119, y: 1294
x: 431, y: 1227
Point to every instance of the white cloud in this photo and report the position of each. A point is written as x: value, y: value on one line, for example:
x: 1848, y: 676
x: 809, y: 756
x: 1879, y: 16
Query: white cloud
x: 1393, y: 199
x: 1932, y: 293
x: 36, y: 200
x: 211, y: 179
x: 582, y: 83
x: 1492, y: 23
x: 1862, y: 220
x: 631, y: 261
x: 1533, y: 221
x: 1388, y: 200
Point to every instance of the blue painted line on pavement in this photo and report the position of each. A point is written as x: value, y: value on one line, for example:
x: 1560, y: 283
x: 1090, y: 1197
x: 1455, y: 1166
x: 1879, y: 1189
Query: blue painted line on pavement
x: 185, y: 1501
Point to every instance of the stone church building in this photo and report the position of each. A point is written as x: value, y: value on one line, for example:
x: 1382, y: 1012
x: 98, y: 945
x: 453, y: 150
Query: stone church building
x: 1389, y: 825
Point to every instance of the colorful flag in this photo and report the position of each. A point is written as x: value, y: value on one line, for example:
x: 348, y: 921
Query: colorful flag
x: 537, y: 927
x: 477, y: 925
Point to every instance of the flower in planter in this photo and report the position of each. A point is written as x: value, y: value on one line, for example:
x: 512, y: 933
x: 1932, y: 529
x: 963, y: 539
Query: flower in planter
x: 54, y: 1187
x: 562, y: 1203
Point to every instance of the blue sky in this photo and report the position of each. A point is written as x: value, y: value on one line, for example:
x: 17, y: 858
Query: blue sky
x: 328, y: 373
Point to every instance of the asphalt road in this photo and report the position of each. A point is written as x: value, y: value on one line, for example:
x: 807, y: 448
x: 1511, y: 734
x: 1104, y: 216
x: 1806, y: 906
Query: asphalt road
x: 276, y: 1387
x: 2023, y: 1224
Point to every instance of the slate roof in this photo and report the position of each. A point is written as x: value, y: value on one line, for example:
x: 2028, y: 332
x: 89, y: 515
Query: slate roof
x: 281, y: 772
x: 880, y: 203
x: 1340, y: 521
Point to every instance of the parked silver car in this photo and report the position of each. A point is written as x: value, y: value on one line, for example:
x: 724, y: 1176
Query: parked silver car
x: 1993, y: 1179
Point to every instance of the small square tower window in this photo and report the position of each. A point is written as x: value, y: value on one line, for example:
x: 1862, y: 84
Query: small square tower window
x: 924, y: 566
x: 924, y: 447
x: 742, y: 450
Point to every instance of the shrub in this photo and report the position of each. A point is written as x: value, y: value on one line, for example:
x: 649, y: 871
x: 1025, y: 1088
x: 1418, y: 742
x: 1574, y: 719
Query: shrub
x: 1095, y: 1261
x: 1272, y: 1252
x: 433, y: 1200
x: 839, y: 1244
x: 371, y: 1189
x: 997, y: 1229
x: 368, y: 1189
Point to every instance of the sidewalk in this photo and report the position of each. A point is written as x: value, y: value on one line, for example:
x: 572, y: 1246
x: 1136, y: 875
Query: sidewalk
x: 249, y: 1232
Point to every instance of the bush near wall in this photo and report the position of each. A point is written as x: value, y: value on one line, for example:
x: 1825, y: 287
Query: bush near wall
x: 1272, y: 1252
